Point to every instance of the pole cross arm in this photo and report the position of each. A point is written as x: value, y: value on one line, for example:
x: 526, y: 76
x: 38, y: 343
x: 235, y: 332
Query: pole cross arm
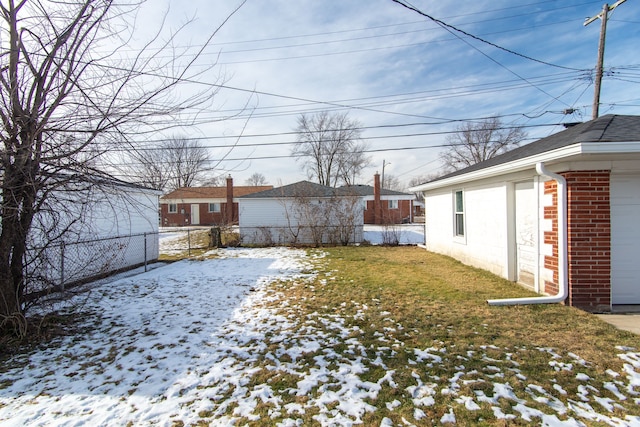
x: 599, y: 16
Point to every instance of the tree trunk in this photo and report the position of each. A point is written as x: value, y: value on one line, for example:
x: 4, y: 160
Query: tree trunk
x: 19, y: 192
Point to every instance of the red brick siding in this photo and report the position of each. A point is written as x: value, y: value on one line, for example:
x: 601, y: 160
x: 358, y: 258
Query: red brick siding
x: 551, y: 237
x: 206, y: 218
x: 589, y: 239
x: 389, y: 216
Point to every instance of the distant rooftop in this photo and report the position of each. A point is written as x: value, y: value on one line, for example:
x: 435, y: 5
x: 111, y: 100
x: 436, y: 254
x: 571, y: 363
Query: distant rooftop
x: 301, y: 189
x: 213, y: 192
x: 367, y: 190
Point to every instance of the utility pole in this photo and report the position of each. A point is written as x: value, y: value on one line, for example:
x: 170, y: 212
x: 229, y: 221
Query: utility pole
x: 384, y: 163
x: 600, y: 64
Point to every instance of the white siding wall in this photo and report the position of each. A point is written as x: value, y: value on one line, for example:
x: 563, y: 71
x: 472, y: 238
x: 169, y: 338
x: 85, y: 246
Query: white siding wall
x: 489, y: 215
x: 273, y: 221
x: 485, y: 243
x: 132, y: 212
x: 105, y: 232
x: 263, y: 212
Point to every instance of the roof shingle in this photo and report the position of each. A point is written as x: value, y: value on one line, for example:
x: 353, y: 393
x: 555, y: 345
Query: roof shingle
x: 301, y: 189
x: 213, y: 192
x: 609, y: 128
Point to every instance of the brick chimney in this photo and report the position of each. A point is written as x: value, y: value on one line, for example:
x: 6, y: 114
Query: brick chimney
x: 377, y: 205
x: 229, y: 210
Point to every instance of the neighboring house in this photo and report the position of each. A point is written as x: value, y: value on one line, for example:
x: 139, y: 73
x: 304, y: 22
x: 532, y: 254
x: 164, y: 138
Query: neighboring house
x: 91, y: 228
x: 204, y: 205
x: 506, y: 214
x: 382, y: 206
x: 301, y: 213
x: 418, y: 211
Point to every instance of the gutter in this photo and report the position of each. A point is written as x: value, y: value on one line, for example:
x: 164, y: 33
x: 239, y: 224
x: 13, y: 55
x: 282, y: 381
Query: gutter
x: 562, y: 247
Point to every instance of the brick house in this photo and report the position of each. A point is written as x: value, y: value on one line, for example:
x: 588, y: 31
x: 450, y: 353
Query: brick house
x: 204, y: 205
x: 383, y: 206
x: 558, y: 215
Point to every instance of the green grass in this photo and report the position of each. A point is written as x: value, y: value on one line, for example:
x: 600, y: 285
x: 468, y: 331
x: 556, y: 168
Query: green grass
x: 443, y: 298
x: 399, y: 299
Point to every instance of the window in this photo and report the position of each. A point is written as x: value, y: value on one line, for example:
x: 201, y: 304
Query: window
x: 365, y: 204
x: 459, y: 213
x: 393, y: 204
x: 214, y: 207
x: 173, y: 208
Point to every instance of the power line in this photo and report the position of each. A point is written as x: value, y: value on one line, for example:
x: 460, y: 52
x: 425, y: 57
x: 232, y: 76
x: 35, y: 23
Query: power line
x: 444, y: 24
x: 293, y: 156
x: 269, y: 144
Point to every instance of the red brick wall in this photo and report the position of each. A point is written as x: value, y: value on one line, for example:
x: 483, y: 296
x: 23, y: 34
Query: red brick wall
x: 551, y: 237
x: 389, y: 216
x: 206, y: 218
x: 588, y: 240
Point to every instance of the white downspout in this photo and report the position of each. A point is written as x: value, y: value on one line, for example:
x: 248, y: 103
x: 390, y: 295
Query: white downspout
x: 562, y: 247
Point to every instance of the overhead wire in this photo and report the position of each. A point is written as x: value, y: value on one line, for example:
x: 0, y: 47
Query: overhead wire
x: 453, y: 28
x: 358, y: 128
x: 346, y: 104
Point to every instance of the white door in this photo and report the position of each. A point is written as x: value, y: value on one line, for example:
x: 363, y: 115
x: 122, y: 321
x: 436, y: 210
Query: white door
x: 195, y: 214
x: 625, y: 239
x: 526, y: 233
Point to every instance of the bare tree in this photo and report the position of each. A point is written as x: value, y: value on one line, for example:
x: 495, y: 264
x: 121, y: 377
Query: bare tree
x: 214, y: 181
x: 421, y: 179
x: 186, y: 160
x: 70, y: 95
x: 330, y: 148
x: 173, y: 163
x: 256, y: 179
x: 392, y: 182
x: 476, y: 142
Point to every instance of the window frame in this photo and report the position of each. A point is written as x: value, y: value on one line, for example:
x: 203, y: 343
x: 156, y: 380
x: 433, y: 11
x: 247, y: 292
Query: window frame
x: 214, y: 210
x: 173, y: 208
x: 459, y: 222
x: 393, y: 204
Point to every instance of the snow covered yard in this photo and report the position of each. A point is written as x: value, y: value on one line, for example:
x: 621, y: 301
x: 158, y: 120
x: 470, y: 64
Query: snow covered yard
x: 229, y: 340
x: 405, y: 234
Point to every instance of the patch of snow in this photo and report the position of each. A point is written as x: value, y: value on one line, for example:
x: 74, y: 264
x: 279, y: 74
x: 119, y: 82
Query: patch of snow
x: 449, y: 417
x: 386, y: 422
x: 406, y: 234
x: 468, y: 402
x: 185, y: 342
x: 582, y: 377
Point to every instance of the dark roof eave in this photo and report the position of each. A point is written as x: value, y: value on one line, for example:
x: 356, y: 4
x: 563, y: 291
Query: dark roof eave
x: 609, y: 129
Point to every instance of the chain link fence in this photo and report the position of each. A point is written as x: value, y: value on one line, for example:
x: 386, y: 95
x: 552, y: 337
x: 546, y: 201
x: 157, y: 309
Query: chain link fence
x: 314, y: 235
x: 58, y: 266
x: 188, y: 240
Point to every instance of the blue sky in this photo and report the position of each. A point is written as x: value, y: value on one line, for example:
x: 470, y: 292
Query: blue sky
x: 406, y: 79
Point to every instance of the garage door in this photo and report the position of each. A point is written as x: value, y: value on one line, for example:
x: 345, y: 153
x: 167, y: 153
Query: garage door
x: 625, y: 239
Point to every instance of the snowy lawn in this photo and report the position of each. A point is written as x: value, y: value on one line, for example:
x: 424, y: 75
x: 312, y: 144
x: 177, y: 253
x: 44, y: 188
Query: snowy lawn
x: 372, y: 336
x: 403, y: 234
x: 181, y: 242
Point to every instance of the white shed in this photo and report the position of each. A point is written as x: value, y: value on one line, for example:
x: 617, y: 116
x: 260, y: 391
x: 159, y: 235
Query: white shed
x: 93, y: 228
x: 301, y: 213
